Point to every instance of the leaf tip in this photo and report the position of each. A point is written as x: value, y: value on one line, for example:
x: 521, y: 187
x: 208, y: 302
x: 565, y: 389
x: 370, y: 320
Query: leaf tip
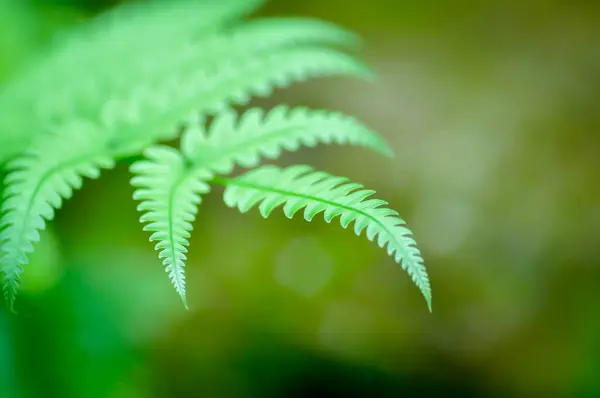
x: 387, y: 151
x: 184, y: 301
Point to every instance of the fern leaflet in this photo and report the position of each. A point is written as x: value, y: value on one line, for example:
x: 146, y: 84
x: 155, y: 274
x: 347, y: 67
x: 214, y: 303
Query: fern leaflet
x: 87, y: 59
x: 152, y: 114
x: 170, y: 194
x: 37, y: 184
x: 255, y: 134
x: 146, y: 72
x: 299, y: 187
x: 80, y: 71
x: 185, y: 57
x: 225, y: 145
x: 145, y: 118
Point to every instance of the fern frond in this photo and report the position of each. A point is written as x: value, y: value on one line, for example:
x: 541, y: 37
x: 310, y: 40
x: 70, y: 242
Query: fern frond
x: 268, y: 34
x: 170, y: 193
x: 177, y: 32
x: 136, y: 76
x: 229, y: 142
x: 83, y: 72
x: 37, y: 184
x: 148, y: 18
x: 299, y: 187
x: 152, y: 111
x: 208, y: 53
x: 237, y: 83
x: 76, y: 75
x: 87, y: 63
x: 134, y: 31
x: 244, y: 140
x: 137, y: 34
x: 152, y: 114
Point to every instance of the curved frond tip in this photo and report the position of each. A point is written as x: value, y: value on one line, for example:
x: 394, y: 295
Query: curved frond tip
x: 37, y: 184
x: 243, y: 140
x: 300, y: 188
x: 169, y: 195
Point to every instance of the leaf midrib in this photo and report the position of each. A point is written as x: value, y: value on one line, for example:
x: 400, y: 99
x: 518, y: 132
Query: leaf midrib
x: 245, y: 184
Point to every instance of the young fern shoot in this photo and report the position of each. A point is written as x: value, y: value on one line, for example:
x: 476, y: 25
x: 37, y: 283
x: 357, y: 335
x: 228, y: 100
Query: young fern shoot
x: 138, y: 76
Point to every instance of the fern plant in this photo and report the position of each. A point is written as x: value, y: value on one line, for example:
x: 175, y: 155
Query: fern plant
x: 142, y: 75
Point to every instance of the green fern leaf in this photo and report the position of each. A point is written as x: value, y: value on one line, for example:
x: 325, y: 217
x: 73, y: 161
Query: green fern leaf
x: 89, y: 59
x: 172, y: 30
x: 244, y: 141
x: 152, y: 114
x: 209, y: 54
x: 169, y: 192
x: 126, y: 21
x: 136, y: 76
x: 298, y: 187
x: 227, y: 143
x: 83, y: 71
x: 37, y: 184
x: 80, y: 71
x: 259, y: 36
x: 184, y: 60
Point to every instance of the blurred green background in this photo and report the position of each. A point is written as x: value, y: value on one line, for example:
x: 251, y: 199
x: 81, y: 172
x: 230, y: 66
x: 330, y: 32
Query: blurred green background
x: 493, y: 110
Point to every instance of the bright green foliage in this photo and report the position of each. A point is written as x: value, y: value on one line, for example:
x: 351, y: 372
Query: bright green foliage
x: 170, y: 194
x: 153, y: 113
x: 298, y: 187
x: 108, y: 58
x: 243, y: 141
x: 38, y: 182
x: 144, y: 73
x: 170, y: 185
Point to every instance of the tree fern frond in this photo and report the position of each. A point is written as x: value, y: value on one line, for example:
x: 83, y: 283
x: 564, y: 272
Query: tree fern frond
x: 170, y: 193
x: 152, y: 114
x: 244, y: 140
x: 37, y: 184
x: 298, y: 187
